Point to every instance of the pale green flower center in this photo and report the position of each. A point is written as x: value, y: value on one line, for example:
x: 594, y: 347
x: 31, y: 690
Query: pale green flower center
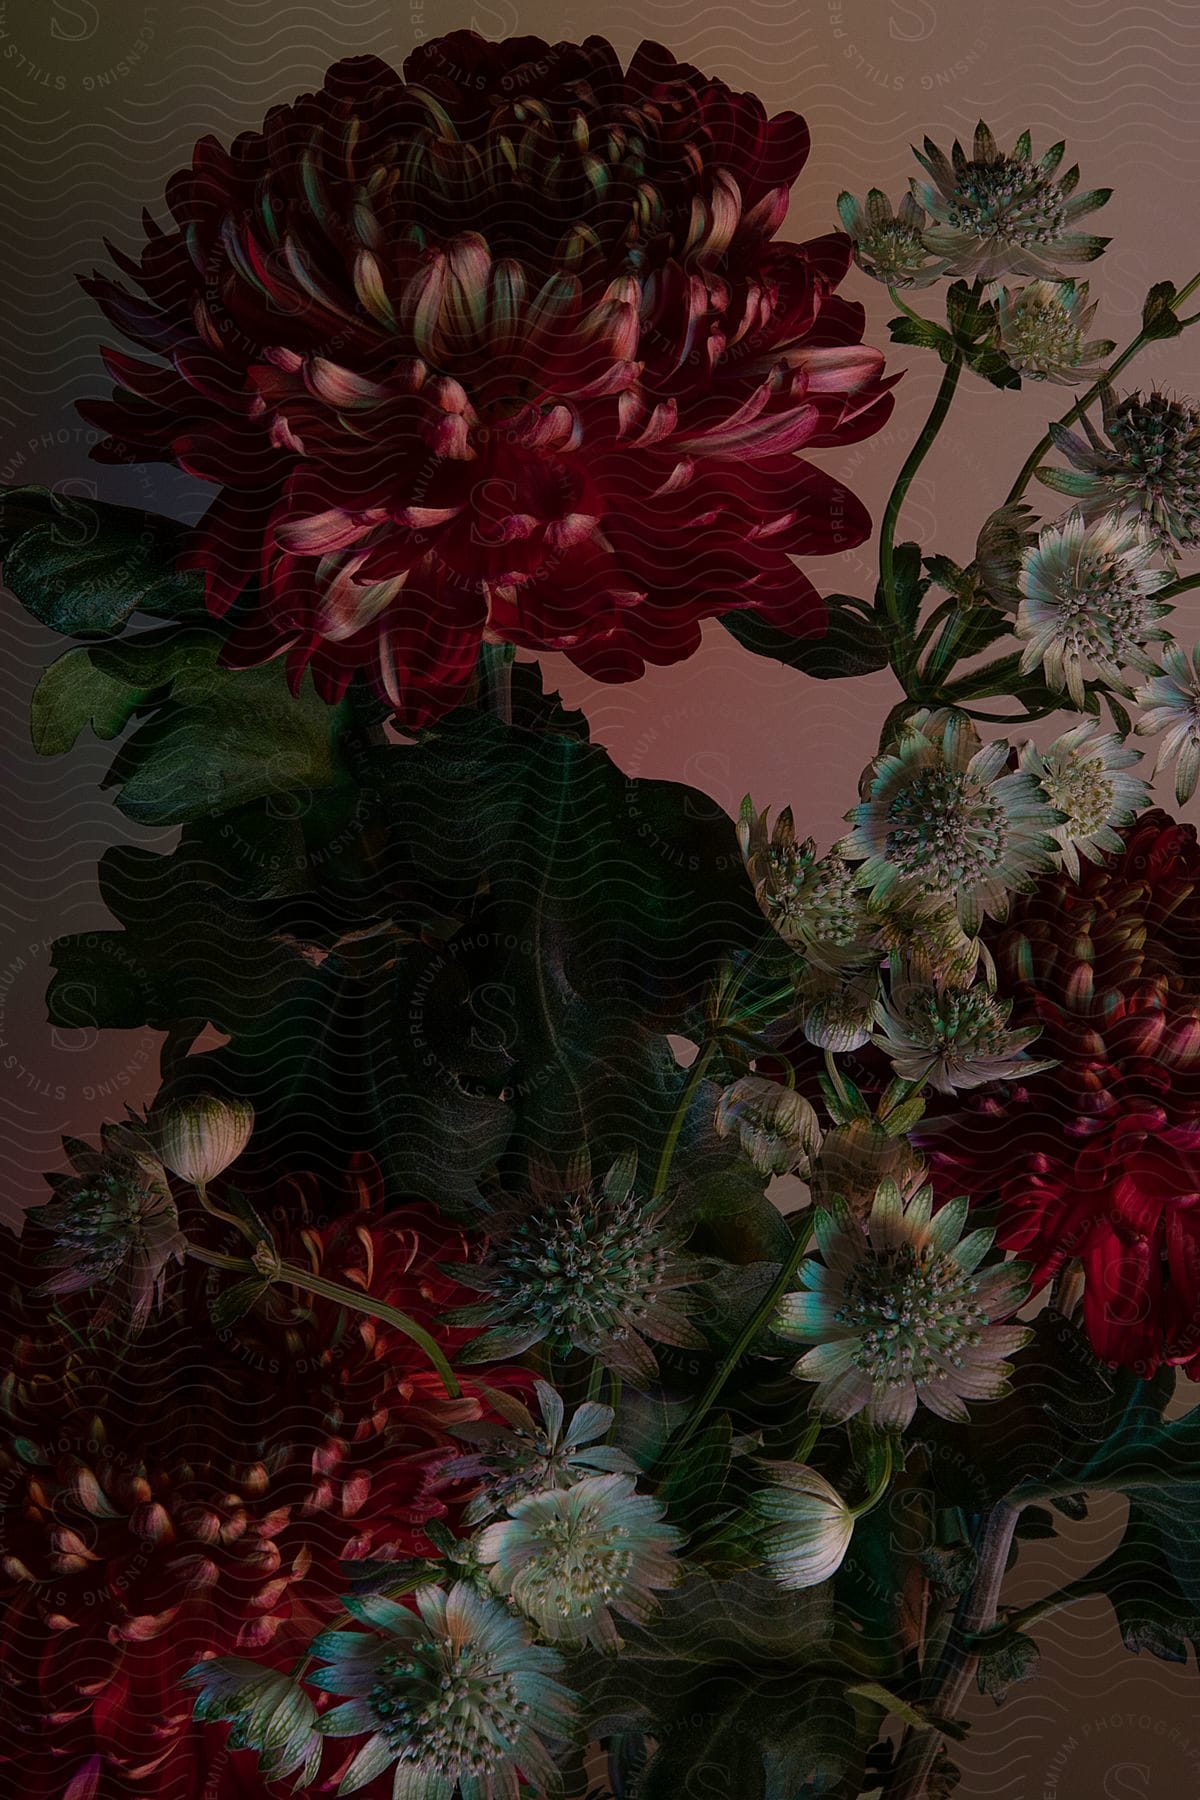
x: 1043, y: 337
x: 913, y: 1312
x: 894, y: 248
x: 1102, y: 606
x: 582, y: 1564
x: 447, y: 1706
x: 1080, y: 787
x: 945, y: 831
x: 970, y: 1024
x: 580, y: 1274
x: 1009, y: 200
x: 835, y: 903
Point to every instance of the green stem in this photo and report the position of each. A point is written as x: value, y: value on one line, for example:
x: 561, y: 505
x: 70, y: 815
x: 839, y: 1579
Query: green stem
x: 1182, y: 586
x: 839, y: 1086
x: 695, y: 1076
x: 903, y: 657
x: 1080, y: 407
x: 878, y: 1491
x: 897, y: 301
x: 354, y: 1301
x: 762, y: 1314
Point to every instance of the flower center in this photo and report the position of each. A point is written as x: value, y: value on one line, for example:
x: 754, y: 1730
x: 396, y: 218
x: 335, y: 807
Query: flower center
x: 945, y: 831
x: 1102, y: 606
x: 954, y: 1021
x: 1043, y: 337
x: 581, y: 1565
x: 447, y: 1706
x: 581, y: 1274
x: 914, y: 1314
x: 1007, y: 199
x: 1080, y: 788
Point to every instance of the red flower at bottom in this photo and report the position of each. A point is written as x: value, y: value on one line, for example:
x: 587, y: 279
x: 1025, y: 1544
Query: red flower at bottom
x: 196, y: 1493
x: 1099, y: 1158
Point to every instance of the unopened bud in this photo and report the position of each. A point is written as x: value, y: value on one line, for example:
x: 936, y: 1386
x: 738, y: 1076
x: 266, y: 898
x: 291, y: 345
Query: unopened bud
x: 199, y: 1138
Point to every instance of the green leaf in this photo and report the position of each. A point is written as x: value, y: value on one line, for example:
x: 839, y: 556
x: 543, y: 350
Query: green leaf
x: 1159, y: 318
x: 911, y: 585
x: 852, y: 643
x: 74, y: 693
x: 995, y: 367
x: 694, y: 1485
x: 1014, y: 1660
x: 84, y: 567
x: 923, y: 334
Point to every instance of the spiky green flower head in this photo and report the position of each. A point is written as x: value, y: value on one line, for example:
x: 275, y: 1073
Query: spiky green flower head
x: 943, y: 820
x: 1084, y: 773
x: 776, y: 1126
x: 950, y: 1037
x: 813, y: 902
x: 267, y: 1712
x: 808, y: 1526
x: 1148, y: 470
x: 114, y: 1227
x: 585, y: 1266
x: 899, y: 1312
x: 1172, y: 701
x: 525, y: 1455
x: 571, y: 1557
x: 994, y: 215
x: 1088, y: 606
x: 455, y: 1698
x: 1042, y: 330
x: 889, y: 246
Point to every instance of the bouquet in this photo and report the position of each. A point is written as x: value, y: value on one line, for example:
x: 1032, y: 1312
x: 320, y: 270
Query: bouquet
x: 604, y: 1290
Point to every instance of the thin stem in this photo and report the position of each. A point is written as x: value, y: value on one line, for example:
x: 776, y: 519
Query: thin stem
x: 897, y: 301
x: 278, y: 1273
x: 1182, y: 586
x: 1080, y: 407
x: 878, y: 1491
x: 959, y: 1661
x: 762, y: 1313
x: 902, y: 660
x: 834, y: 1073
x: 695, y: 1076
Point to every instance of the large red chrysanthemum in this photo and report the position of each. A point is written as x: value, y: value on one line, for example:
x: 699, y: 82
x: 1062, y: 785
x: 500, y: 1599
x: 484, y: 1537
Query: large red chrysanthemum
x: 501, y: 349
x: 1099, y: 1158
x: 196, y: 1493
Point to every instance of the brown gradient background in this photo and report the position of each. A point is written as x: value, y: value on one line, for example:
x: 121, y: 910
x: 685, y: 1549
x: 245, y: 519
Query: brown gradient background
x: 100, y: 102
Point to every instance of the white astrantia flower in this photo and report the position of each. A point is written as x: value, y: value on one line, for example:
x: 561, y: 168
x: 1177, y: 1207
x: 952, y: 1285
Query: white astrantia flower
x: 571, y: 1557
x: 993, y: 215
x: 1148, y: 471
x: 814, y: 902
x: 454, y: 1698
x: 944, y: 820
x: 776, y: 1127
x: 525, y: 1455
x: 266, y: 1711
x: 889, y: 246
x: 1084, y: 774
x: 1088, y: 603
x: 1042, y: 330
x: 1172, y: 701
x: 899, y: 1313
x: 808, y: 1526
x: 952, y: 1038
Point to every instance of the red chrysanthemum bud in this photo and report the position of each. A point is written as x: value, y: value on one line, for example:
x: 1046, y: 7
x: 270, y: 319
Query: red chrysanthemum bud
x: 503, y: 348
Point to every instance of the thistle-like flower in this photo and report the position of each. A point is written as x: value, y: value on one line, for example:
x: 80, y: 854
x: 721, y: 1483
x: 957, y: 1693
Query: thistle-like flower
x: 581, y: 1266
x: 523, y: 1455
x: 995, y: 215
x: 1088, y: 603
x: 898, y: 1312
x: 952, y: 1037
x: 1172, y: 701
x: 1085, y: 777
x: 1148, y: 471
x: 943, y: 820
x: 113, y: 1225
x: 814, y: 902
x: 776, y: 1126
x: 889, y: 247
x: 198, y: 1139
x: 267, y: 1711
x: 565, y: 1557
x: 456, y: 1698
x: 808, y: 1526
x: 1042, y: 330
